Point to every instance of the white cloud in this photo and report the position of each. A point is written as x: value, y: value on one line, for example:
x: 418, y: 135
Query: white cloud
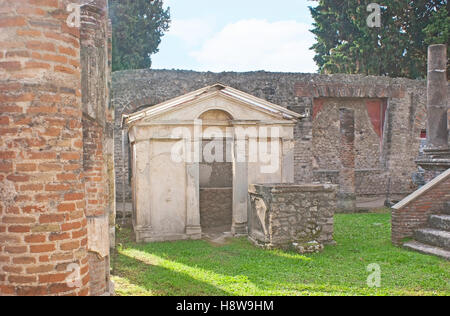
x: 259, y: 45
x: 192, y: 31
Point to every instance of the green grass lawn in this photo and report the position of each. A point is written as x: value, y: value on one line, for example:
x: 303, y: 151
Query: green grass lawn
x: 238, y: 268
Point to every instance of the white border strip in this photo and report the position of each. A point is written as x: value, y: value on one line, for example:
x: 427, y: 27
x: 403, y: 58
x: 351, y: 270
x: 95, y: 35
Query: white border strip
x: 421, y: 191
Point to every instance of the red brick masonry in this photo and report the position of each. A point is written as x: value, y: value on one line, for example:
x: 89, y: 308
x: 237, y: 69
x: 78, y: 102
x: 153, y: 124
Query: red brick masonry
x: 43, y: 226
x: 406, y: 219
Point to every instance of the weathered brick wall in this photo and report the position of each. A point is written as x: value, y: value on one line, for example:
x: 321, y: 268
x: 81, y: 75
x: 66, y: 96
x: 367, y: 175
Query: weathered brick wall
x: 43, y: 227
x: 93, y: 165
x: 380, y: 157
x: 98, y: 275
x: 97, y: 141
x: 283, y: 215
x: 415, y: 215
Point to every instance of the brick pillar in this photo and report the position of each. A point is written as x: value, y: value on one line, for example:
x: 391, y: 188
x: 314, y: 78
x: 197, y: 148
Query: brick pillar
x: 43, y: 226
x: 437, y: 97
x: 98, y: 143
x: 347, y: 196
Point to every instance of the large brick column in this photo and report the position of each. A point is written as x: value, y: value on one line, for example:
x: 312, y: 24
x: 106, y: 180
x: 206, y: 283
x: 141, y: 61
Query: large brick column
x: 43, y: 226
x: 347, y: 191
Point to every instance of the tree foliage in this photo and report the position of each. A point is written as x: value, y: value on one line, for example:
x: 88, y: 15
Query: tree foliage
x: 137, y: 28
x: 346, y: 44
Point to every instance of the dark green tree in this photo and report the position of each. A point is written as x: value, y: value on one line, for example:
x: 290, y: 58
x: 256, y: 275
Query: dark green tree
x: 438, y: 30
x: 137, y: 28
x: 398, y: 48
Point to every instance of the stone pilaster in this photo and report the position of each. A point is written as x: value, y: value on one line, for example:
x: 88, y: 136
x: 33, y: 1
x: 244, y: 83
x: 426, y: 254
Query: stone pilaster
x: 193, y: 228
x: 240, y: 187
x: 347, y: 190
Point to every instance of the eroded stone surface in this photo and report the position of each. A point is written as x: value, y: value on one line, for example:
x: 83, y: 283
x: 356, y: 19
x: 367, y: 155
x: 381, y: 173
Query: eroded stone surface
x: 298, y: 217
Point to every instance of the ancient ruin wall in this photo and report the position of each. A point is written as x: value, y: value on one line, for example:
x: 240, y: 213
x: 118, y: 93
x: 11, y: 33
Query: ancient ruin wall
x: 378, y: 157
x: 216, y: 205
x: 292, y: 216
x: 97, y: 142
x: 43, y: 227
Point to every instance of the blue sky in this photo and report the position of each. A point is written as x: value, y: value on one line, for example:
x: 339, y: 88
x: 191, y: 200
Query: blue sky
x: 238, y: 35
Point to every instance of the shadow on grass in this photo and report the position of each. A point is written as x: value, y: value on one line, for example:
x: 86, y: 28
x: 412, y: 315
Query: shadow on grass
x: 159, y: 281
x: 238, y: 268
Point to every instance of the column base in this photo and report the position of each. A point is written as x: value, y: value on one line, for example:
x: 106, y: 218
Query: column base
x: 434, y: 162
x: 435, y: 159
x: 142, y: 233
x: 147, y: 235
x: 194, y: 232
x: 239, y: 230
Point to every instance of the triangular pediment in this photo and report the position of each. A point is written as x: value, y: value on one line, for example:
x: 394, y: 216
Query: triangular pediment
x: 240, y: 105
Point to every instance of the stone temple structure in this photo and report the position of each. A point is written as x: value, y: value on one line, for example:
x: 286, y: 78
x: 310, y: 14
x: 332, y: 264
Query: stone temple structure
x: 194, y: 157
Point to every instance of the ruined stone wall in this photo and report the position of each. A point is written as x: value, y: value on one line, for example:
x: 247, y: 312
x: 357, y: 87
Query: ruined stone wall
x: 379, y: 157
x: 387, y: 141
x: 216, y: 208
x: 292, y: 216
x: 98, y: 272
x: 326, y: 129
x: 43, y: 226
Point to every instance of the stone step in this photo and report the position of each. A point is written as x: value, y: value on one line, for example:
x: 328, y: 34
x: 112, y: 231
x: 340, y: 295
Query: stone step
x: 441, y: 222
x: 435, y: 237
x: 447, y: 208
x: 427, y: 249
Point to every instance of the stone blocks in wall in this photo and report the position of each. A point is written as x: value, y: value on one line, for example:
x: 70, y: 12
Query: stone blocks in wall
x: 351, y: 89
x: 368, y: 182
x: 298, y: 217
x: 216, y: 207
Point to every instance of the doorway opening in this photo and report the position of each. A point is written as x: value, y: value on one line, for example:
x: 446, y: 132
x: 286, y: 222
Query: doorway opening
x: 216, y: 175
